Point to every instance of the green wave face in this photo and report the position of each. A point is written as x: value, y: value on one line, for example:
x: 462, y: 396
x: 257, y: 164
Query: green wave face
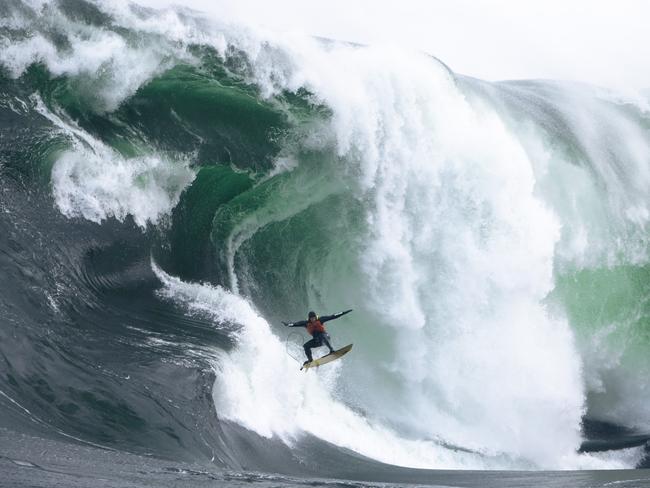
x: 604, y: 297
x: 609, y: 310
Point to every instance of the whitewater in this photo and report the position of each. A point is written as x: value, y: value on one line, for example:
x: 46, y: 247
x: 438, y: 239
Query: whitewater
x: 491, y: 237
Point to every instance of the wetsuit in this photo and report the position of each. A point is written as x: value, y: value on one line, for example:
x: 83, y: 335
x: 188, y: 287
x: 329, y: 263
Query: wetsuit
x: 317, y: 331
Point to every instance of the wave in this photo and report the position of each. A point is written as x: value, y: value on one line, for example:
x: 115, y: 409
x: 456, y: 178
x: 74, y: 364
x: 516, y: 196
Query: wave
x: 196, y: 182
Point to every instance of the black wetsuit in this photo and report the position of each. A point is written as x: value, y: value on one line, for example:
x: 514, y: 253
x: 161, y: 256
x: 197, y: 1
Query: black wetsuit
x: 318, y: 338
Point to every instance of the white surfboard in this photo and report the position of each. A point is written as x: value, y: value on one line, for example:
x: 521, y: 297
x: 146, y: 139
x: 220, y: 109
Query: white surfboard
x: 327, y: 359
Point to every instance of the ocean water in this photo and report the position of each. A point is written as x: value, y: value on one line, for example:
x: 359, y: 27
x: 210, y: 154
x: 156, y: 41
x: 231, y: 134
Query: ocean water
x: 173, y: 186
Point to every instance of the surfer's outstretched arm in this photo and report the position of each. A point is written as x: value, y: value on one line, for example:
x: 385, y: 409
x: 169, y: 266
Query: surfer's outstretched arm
x: 300, y: 323
x: 335, y: 316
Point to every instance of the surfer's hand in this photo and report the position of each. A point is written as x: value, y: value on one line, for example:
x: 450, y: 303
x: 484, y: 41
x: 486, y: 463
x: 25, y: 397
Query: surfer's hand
x: 285, y: 324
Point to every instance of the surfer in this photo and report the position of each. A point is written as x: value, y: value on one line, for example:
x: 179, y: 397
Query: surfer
x: 315, y: 328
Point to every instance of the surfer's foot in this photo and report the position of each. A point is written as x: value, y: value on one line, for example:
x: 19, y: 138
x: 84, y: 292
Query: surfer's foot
x: 306, y: 363
x: 332, y: 351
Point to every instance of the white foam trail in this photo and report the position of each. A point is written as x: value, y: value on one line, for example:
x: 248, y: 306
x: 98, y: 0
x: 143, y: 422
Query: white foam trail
x: 93, y: 181
x: 260, y: 386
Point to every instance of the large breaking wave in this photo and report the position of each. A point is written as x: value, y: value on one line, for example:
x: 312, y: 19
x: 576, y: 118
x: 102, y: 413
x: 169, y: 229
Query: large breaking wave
x: 173, y: 187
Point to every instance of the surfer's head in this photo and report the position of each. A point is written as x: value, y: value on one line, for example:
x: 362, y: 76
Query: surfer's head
x: 311, y: 316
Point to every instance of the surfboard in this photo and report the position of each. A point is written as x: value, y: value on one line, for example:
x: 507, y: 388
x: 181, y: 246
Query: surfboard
x: 327, y: 359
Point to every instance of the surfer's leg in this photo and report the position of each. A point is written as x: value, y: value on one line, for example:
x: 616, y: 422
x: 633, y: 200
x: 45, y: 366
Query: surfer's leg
x: 326, y: 340
x: 308, y: 345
